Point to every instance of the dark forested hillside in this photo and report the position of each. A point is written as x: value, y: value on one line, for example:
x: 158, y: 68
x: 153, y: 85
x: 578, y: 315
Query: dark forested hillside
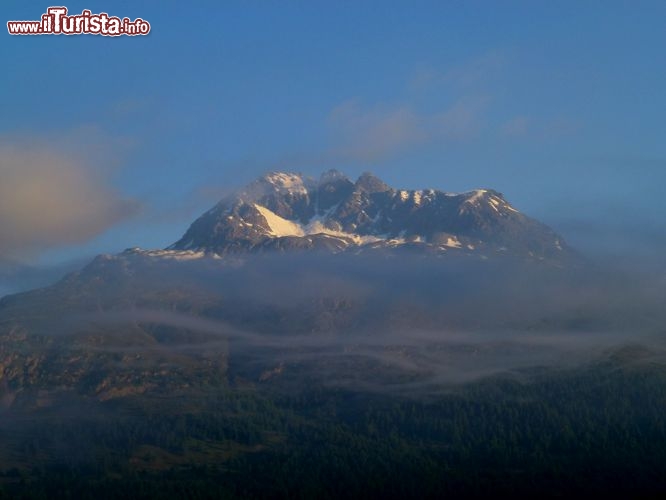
x: 595, y: 430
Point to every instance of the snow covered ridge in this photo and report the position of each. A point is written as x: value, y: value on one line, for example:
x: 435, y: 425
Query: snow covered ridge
x: 295, y: 183
x: 279, y: 227
x: 279, y: 182
x: 180, y: 255
x: 291, y: 182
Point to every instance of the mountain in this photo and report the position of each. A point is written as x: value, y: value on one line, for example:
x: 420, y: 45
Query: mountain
x: 286, y: 211
x: 246, y: 271
x: 208, y: 309
x: 247, y: 268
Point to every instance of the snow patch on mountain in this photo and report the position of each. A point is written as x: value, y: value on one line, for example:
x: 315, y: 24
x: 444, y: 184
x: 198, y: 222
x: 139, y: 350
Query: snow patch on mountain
x: 476, y: 195
x: 291, y: 183
x: 452, y: 242
x: 280, y: 227
x: 179, y: 255
x: 277, y: 225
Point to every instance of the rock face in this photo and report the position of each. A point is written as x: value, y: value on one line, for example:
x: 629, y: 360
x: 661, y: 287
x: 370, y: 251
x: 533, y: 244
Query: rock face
x: 285, y: 211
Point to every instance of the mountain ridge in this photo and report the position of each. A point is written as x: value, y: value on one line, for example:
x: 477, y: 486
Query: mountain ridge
x: 287, y: 211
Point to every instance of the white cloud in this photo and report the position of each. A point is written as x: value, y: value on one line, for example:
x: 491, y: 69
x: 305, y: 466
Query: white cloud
x: 374, y: 133
x: 52, y: 195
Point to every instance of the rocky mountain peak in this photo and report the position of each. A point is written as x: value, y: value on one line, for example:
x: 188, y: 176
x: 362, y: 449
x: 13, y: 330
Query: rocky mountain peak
x: 371, y: 183
x: 287, y: 211
x: 332, y: 175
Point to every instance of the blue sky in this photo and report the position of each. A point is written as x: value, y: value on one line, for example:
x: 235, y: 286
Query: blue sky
x: 559, y: 105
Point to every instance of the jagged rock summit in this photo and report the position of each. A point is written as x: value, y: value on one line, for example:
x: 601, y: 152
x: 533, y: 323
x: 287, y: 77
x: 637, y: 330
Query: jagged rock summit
x: 287, y: 211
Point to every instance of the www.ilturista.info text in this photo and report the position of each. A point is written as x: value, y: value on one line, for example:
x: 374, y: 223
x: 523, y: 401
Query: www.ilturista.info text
x: 56, y: 21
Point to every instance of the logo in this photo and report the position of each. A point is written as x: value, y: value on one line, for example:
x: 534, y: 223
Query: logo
x: 56, y: 21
